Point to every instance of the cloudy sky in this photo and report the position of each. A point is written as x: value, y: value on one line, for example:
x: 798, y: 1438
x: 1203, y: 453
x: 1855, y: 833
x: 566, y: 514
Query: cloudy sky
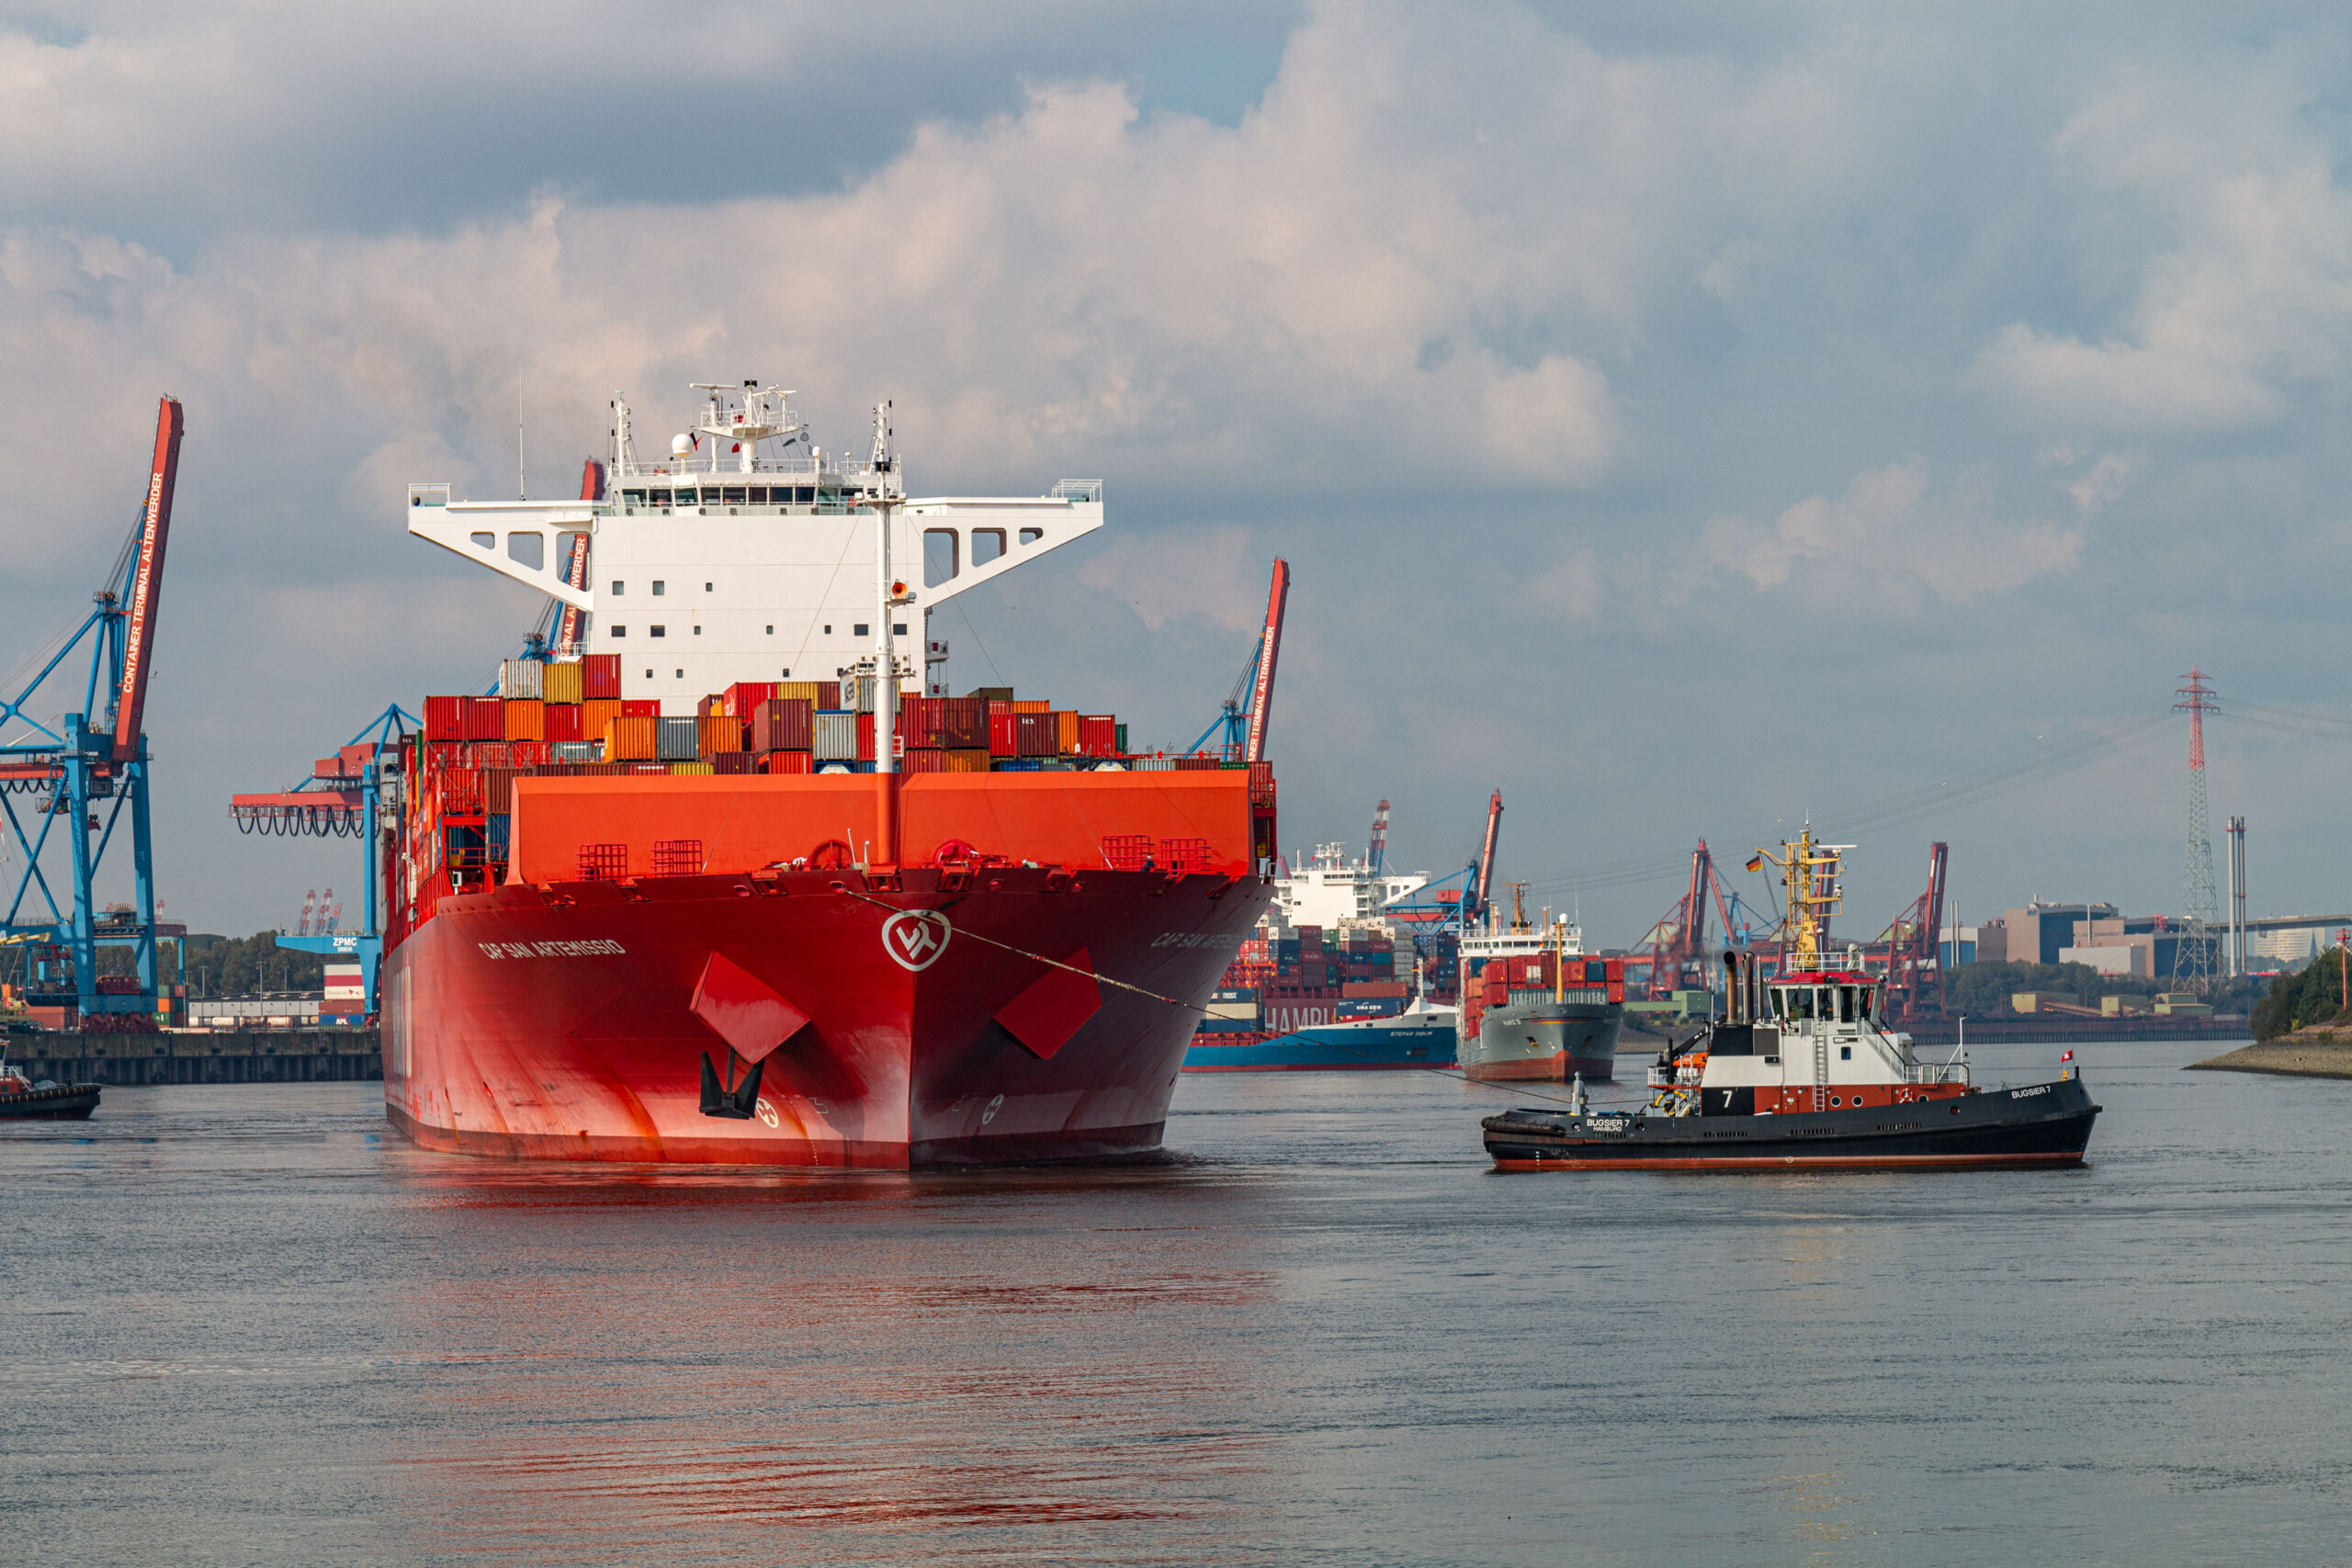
x: 1684, y: 418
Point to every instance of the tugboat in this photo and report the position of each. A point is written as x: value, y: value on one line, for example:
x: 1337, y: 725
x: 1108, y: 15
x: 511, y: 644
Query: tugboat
x: 1802, y: 1074
x: 22, y: 1098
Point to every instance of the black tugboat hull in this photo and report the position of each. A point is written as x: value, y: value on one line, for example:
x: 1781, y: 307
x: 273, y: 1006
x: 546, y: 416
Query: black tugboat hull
x: 2040, y: 1124
x: 67, y: 1103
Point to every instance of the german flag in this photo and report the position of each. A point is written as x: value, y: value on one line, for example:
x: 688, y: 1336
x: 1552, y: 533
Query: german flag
x: 1756, y: 862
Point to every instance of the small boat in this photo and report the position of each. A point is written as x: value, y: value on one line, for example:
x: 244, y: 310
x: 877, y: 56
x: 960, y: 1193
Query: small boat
x: 23, y: 1099
x: 1802, y: 1073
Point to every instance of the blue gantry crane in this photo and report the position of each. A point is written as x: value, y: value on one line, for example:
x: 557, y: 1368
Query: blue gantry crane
x: 340, y: 799
x: 73, y: 776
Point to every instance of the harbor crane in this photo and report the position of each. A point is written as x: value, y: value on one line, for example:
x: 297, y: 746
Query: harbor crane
x: 343, y: 798
x: 1245, y: 727
x: 90, y: 758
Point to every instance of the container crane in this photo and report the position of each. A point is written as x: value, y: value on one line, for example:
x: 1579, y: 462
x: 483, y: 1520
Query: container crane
x: 93, y: 757
x: 1376, y: 852
x: 1245, y: 727
x: 342, y: 799
x: 1474, y: 896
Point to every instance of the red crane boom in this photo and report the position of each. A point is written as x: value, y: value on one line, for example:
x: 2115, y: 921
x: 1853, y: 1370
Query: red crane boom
x: 1261, y: 689
x: 147, y: 584
x: 1487, y: 852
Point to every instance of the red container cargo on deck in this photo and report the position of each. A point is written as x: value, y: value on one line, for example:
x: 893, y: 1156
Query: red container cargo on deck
x: 563, y: 722
x: 743, y: 698
x: 600, y: 675
x: 485, y: 718
x: 1004, y: 734
x: 1039, y: 735
x: 445, y: 719
x: 1098, y: 735
x: 781, y: 724
x: 641, y: 707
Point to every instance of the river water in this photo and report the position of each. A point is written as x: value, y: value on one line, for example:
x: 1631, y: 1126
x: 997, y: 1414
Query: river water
x: 249, y: 1324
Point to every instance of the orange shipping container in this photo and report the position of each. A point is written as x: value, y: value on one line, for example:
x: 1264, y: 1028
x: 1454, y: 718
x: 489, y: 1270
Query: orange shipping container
x: 1031, y: 707
x: 966, y: 761
x: 1065, y: 732
x: 525, y: 719
x: 629, y: 739
x: 717, y: 732
x: 597, y: 713
x: 786, y: 762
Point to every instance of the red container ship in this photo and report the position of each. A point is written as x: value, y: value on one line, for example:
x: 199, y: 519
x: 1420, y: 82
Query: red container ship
x: 752, y: 918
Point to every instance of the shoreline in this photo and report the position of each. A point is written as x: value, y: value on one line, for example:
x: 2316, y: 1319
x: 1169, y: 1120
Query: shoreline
x: 2317, y: 1054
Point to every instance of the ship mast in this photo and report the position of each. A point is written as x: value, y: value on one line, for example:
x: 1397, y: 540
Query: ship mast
x: 888, y: 494
x: 1809, y: 875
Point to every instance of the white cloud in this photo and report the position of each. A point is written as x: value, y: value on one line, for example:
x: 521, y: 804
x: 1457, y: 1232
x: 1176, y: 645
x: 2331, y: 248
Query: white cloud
x: 1890, y: 546
x: 2252, y: 297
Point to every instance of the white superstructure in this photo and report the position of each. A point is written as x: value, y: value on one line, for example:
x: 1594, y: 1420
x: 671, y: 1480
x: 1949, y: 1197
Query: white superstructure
x: 1329, y: 890
x: 747, y: 553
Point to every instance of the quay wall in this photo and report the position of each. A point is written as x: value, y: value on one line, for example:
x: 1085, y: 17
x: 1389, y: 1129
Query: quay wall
x: 278, y: 1055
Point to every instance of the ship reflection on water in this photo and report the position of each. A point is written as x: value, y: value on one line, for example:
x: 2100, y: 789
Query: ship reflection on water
x: 850, y: 1361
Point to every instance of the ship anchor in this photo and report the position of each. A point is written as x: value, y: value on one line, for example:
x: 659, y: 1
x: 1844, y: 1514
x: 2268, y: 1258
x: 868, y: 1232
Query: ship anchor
x: 736, y: 1103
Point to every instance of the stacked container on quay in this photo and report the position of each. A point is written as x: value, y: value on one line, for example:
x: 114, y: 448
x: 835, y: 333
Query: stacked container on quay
x: 708, y: 886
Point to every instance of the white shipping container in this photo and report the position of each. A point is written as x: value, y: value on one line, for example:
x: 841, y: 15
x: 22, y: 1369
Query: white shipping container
x: 834, y: 737
x: 520, y: 678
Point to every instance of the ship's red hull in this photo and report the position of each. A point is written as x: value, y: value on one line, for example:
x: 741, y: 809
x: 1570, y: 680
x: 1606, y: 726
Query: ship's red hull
x: 570, y: 1022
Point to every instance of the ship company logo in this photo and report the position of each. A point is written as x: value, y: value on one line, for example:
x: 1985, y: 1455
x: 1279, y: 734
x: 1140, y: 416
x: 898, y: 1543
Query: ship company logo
x: 915, y: 938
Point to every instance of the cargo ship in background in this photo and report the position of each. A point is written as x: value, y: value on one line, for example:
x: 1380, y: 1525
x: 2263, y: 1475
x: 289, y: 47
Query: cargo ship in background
x: 1535, y: 1008
x: 706, y: 885
x: 1334, y: 980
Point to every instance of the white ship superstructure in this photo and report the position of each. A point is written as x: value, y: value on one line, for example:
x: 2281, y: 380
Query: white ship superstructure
x: 1329, y: 890
x: 747, y: 552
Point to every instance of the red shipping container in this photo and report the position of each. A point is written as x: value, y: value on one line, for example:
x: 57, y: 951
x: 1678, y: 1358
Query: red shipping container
x: 744, y: 697
x: 963, y: 723
x: 527, y: 754
x: 1004, y: 733
x: 1098, y: 735
x: 563, y: 721
x: 601, y: 674
x: 445, y: 719
x: 445, y: 754
x: 828, y: 695
x: 786, y: 762
x: 923, y: 760
x: 782, y: 724
x: 866, y: 737
x: 731, y: 763
x: 640, y: 707
x: 1040, y: 734
x: 485, y: 718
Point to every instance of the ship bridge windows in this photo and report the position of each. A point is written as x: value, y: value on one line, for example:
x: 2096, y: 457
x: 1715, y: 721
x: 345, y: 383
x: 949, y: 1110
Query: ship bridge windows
x: 657, y: 631
x: 632, y: 498
x: 734, y: 495
x: 658, y: 497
